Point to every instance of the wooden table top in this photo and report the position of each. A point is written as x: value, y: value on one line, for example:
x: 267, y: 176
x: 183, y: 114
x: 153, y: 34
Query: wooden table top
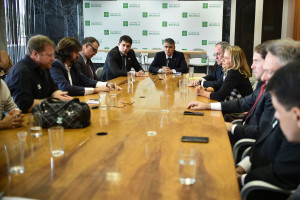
x: 126, y: 163
x: 157, y: 50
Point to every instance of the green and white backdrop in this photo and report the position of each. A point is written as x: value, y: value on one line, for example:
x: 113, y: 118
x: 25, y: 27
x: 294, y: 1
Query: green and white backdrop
x: 192, y: 24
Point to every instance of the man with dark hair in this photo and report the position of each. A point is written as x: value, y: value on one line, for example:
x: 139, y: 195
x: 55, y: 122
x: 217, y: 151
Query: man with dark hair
x: 120, y: 60
x: 29, y: 81
x: 84, y: 64
x: 212, y: 78
x: 286, y: 99
x: 169, y: 60
x: 67, y: 76
x: 262, y: 111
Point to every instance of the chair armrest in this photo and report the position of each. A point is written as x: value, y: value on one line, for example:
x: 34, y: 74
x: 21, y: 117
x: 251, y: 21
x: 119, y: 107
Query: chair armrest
x: 262, y: 185
x: 239, y: 144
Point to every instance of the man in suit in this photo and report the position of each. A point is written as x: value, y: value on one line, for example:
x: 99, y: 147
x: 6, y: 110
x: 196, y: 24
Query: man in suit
x: 286, y: 100
x: 29, y: 80
x: 272, y: 158
x: 262, y: 111
x: 169, y: 60
x: 84, y: 64
x: 120, y: 60
x: 212, y: 78
x: 67, y: 76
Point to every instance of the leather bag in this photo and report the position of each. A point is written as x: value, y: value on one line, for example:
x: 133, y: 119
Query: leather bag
x: 74, y: 114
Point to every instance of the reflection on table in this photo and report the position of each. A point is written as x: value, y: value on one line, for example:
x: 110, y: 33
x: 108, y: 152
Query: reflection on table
x: 126, y: 163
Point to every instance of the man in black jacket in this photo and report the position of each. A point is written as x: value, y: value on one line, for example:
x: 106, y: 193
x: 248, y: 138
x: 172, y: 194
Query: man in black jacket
x: 169, y: 60
x: 212, y: 78
x: 84, y: 64
x: 120, y: 60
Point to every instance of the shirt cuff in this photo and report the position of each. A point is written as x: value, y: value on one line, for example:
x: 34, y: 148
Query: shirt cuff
x: 216, y: 106
x: 202, y: 81
x: 245, y: 164
x: 101, y: 84
x: 232, y: 129
x: 174, y: 71
x: 88, y: 91
x: 159, y: 71
x: 243, y: 179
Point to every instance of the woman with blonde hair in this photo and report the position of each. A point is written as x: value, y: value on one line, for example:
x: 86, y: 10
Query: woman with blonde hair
x: 235, y: 82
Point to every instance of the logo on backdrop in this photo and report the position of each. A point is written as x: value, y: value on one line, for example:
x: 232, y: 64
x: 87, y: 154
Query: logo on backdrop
x: 164, y: 5
x: 205, y: 5
x: 164, y: 24
x: 125, y: 5
x: 204, y: 24
x: 87, y: 23
x: 204, y: 42
x: 106, y: 14
x: 184, y: 33
x: 125, y: 23
x: 87, y: 5
x: 184, y: 15
x: 145, y: 14
x: 106, y: 32
x: 145, y: 32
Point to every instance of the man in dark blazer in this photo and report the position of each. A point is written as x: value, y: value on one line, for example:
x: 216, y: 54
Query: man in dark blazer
x: 84, y: 64
x: 120, y: 60
x: 213, y: 78
x: 67, y: 76
x: 275, y: 157
x: 172, y: 60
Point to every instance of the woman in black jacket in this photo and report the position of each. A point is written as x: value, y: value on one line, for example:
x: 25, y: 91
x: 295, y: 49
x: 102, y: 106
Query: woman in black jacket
x: 235, y: 82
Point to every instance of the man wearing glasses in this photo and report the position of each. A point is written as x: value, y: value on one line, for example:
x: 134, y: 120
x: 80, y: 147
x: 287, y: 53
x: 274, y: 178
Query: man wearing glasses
x: 84, y: 64
x: 212, y: 78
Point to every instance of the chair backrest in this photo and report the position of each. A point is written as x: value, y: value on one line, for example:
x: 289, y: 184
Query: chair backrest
x: 99, y: 71
x: 204, y: 56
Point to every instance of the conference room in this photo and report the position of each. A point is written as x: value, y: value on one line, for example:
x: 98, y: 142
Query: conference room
x: 137, y: 137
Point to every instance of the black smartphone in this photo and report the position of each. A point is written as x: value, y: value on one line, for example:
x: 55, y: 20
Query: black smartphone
x: 194, y: 139
x: 193, y: 113
x: 94, y: 107
x: 101, y: 133
x: 154, y: 73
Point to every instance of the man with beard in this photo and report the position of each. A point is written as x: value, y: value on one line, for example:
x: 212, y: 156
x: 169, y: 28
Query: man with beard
x: 29, y: 81
x: 67, y: 76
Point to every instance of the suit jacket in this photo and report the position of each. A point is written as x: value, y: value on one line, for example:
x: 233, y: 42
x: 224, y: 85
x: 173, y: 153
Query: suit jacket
x: 213, y: 77
x: 81, y: 65
x: 178, y: 62
x: 260, y: 117
x: 274, y: 159
x: 59, y: 74
x: 233, y: 80
x: 113, y: 64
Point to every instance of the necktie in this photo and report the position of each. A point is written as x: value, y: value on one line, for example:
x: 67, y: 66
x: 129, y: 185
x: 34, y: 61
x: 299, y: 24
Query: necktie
x: 168, y: 62
x: 123, y: 62
x: 89, y: 69
x: 260, y: 94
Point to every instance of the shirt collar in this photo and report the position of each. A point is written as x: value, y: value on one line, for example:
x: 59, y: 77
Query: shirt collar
x: 67, y: 67
x: 83, y: 57
x: 169, y: 57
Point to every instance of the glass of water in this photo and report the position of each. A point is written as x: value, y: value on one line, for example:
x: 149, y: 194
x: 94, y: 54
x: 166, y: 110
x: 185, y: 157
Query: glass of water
x: 187, y: 166
x: 35, y: 124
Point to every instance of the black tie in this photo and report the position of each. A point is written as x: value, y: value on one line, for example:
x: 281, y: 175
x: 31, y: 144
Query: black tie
x: 168, y: 62
x: 124, y: 62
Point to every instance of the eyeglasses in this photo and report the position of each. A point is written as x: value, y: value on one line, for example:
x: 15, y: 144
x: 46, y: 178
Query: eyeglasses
x: 94, y: 50
x: 217, y: 54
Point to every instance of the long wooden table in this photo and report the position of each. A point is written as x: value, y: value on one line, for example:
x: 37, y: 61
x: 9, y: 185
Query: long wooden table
x: 126, y: 163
